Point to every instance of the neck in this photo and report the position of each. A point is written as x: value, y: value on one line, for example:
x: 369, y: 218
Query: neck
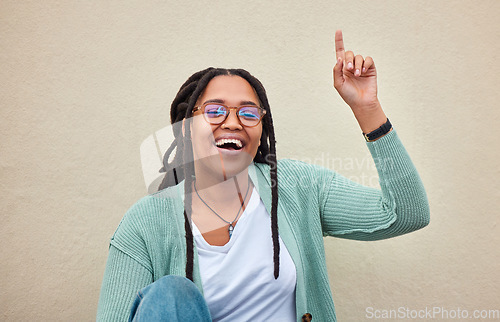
x: 222, y: 190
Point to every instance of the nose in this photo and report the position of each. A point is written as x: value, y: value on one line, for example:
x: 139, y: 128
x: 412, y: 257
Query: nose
x: 232, y: 121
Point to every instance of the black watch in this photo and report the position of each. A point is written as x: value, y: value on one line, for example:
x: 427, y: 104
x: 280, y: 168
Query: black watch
x: 373, y: 135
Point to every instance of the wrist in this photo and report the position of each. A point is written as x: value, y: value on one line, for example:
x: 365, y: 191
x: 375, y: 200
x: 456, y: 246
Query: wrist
x: 370, y: 118
x: 366, y: 107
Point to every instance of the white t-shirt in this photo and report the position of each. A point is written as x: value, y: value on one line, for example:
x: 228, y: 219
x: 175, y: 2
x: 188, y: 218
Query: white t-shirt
x: 238, y: 279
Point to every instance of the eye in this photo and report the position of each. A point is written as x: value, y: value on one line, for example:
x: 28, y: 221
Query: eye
x: 249, y: 112
x: 215, y: 110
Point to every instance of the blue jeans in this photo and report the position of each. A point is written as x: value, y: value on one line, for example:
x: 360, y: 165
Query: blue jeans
x: 171, y: 298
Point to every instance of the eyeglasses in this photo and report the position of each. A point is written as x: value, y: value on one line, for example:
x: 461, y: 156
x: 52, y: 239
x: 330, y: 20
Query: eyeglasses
x: 216, y: 113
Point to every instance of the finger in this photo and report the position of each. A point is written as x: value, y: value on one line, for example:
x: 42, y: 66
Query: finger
x: 358, y: 65
x: 339, y: 44
x: 349, y: 60
x: 369, y: 63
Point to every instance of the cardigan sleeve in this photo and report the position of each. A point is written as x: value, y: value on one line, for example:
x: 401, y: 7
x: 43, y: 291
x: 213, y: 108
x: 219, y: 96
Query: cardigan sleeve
x: 352, y: 211
x: 128, y: 268
x: 123, y: 278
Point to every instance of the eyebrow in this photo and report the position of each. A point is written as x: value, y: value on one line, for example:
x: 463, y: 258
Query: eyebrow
x: 216, y: 100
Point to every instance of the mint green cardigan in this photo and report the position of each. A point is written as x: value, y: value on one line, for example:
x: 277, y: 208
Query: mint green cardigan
x: 313, y: 202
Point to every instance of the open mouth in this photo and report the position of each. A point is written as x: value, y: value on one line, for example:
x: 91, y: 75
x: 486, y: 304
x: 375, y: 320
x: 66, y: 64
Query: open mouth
x: 229, y: 144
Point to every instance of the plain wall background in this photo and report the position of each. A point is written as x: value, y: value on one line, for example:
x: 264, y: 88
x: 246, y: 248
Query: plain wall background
x: 85, y: 82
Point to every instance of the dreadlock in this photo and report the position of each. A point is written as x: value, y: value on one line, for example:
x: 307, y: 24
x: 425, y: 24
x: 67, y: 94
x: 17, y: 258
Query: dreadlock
x: 182, y: 166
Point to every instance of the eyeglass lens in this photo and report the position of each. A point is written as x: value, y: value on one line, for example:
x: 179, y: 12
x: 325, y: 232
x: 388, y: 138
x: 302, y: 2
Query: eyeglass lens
x: 248, y: 115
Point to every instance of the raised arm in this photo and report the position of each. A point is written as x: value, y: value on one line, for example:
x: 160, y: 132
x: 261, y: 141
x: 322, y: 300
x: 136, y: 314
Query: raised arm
x: 352, y: 210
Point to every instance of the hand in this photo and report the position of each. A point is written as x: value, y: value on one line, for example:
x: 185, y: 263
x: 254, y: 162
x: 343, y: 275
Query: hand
x: 354, y: 78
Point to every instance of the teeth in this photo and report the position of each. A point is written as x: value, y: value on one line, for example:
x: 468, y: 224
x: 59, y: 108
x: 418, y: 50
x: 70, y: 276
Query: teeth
x: 225, y: 141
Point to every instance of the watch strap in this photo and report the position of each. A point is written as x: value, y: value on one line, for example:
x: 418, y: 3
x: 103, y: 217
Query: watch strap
x: 382, y: 130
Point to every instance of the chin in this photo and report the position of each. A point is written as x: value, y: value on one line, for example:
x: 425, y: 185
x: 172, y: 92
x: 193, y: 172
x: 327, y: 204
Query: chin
x: 232, y: 165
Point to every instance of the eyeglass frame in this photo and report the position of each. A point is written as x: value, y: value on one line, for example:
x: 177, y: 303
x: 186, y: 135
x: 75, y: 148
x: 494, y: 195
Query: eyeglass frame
x: 237, y: 108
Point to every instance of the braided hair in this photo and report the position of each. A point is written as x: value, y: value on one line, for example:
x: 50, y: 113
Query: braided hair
x: 182, y: 168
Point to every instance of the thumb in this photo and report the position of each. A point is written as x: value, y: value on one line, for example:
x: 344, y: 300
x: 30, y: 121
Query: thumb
x: 338, y: 74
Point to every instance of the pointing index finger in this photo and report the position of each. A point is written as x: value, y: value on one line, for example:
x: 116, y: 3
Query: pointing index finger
x: 339, y: 45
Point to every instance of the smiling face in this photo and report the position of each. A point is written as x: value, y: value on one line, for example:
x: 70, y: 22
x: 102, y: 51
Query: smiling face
x: 224, y: 150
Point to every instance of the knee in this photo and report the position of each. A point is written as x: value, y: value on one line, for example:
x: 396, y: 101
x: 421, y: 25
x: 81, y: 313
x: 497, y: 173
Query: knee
x: 170, y: 298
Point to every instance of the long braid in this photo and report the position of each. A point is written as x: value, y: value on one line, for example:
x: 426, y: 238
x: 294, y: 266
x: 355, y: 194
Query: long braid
x: 273, y: 164
x: 274, y: 195
x: 182, y: 166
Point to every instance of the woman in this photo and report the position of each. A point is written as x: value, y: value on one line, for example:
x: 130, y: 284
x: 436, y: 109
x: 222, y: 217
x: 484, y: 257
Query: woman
x: 209, y: 223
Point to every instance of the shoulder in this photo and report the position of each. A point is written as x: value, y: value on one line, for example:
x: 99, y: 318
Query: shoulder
x: 150, y: 213
x: 167, y: 198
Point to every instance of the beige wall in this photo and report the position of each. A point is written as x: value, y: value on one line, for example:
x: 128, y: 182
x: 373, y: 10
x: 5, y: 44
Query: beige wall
x: 85, y: 82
